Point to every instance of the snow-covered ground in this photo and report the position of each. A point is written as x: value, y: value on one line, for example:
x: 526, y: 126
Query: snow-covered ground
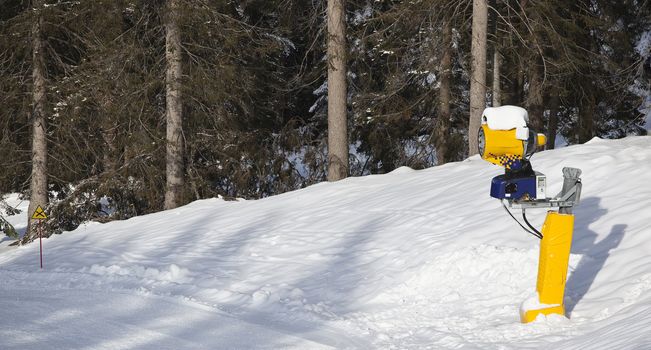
x: 411, y: 259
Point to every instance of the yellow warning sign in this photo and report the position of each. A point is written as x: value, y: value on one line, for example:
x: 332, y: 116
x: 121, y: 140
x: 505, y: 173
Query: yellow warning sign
x: 39, y: 214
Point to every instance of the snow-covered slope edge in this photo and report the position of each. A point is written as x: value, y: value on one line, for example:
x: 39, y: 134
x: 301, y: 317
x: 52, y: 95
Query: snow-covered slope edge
x: 411, y: 259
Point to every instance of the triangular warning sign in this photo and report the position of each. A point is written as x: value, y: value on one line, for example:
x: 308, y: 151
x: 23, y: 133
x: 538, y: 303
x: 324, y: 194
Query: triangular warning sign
x: 39, y: 214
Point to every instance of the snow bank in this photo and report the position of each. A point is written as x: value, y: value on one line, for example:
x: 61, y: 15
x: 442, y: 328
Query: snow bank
x: 411, y: 259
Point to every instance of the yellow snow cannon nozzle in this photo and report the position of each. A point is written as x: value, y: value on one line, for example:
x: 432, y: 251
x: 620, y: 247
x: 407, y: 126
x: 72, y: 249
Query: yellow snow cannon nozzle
x: 504, y: 136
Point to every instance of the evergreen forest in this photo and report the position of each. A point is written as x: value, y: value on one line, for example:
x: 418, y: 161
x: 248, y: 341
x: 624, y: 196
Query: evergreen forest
x: 111, y: 109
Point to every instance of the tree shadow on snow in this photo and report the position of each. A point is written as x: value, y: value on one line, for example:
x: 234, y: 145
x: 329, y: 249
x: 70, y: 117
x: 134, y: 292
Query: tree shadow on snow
x: 594, y: 253
x: 331, y: 289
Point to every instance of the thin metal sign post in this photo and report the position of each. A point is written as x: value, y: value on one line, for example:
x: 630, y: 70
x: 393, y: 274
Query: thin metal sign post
x: 40, y: 240
x: 39, y: 215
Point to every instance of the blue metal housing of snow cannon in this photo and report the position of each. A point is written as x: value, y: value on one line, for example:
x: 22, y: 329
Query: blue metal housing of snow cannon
x: 514, y: 188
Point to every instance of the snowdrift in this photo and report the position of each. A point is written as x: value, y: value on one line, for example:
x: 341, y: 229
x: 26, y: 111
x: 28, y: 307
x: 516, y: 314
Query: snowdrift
x: 411, y: 259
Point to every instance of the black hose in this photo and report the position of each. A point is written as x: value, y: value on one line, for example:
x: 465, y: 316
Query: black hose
x: 534, y: 233
x: 524, y: 216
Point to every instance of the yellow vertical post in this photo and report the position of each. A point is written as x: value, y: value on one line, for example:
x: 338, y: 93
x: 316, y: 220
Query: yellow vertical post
x: 552, y: 267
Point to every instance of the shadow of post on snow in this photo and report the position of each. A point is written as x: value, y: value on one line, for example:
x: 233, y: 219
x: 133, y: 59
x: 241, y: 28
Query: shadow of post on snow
x: 594, y: 253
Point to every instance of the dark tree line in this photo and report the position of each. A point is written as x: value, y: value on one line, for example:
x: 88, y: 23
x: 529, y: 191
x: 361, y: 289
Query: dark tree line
x: 247, y: 85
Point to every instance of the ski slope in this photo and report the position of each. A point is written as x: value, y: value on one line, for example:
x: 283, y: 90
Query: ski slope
x: 407, y: 260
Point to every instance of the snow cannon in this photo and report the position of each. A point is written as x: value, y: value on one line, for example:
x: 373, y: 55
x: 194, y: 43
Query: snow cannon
x: 505, y: 140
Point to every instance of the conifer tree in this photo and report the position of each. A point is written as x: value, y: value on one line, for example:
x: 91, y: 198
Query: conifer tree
x: 478, y: 71
x: 337, y: 92
x: 174, y: 109
x: 38, y: 186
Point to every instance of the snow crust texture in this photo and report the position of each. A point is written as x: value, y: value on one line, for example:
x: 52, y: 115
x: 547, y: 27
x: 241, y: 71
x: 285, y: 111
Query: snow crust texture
x: 407, y: 260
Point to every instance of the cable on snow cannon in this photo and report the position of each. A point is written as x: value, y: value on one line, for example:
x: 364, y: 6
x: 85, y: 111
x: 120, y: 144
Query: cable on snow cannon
x: 506, y: 140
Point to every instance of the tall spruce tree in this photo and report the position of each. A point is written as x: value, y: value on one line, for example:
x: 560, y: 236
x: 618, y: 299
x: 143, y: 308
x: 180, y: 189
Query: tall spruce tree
x: 174, y: 107
x: 38, y: 186
x: 478, y: 71
x: 337, y: 92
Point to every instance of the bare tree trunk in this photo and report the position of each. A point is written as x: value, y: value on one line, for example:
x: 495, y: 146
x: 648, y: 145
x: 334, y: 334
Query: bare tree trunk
x: 552, y: 128
x: 443, y: 120
x: 38, y: 186
x: 337, y: 120
x: 478, y: 77
x: 535, y: 98
x: 174, y: 161
x: 518, y: 91
x: 497, y: 57
x: 586, y: 117
x: 497, y: 88
x: 511, y: 92
x: 109, y: 135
